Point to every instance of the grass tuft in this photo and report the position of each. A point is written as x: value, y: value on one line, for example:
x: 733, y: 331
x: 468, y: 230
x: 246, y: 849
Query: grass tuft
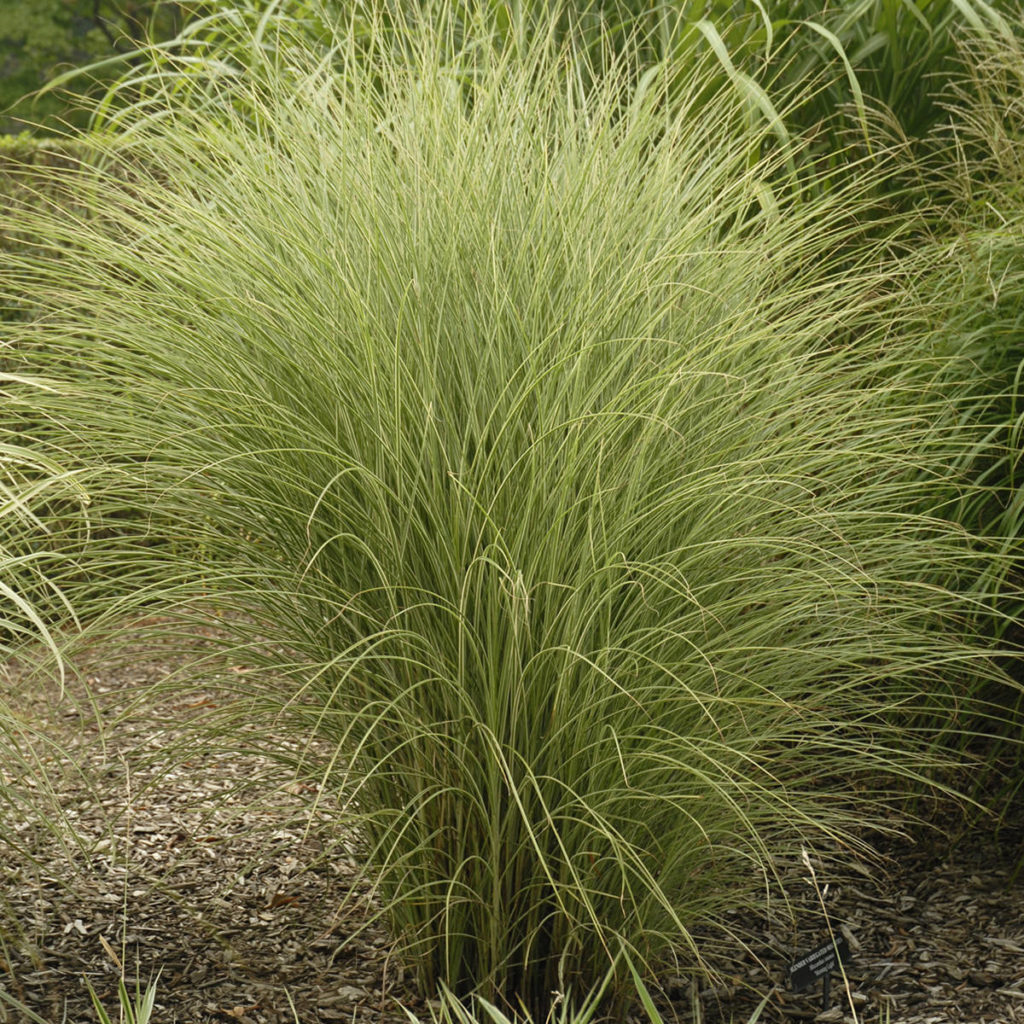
x: 591, y: 496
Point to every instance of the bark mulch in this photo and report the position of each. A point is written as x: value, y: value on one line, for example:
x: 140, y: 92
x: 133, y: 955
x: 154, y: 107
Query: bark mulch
x: 223, y: 877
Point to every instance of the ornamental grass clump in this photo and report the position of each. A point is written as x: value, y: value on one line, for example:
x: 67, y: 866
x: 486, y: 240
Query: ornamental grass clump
x: 982, y: 229
x: 583, y: 491
x: 976, y: 267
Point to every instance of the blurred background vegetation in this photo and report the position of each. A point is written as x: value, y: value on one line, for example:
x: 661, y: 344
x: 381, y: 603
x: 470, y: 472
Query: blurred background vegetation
x: 891, y: 55
x: 41, y: 38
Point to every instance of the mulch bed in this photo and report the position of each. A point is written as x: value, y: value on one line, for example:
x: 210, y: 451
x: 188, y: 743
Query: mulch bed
x: 224, y: 874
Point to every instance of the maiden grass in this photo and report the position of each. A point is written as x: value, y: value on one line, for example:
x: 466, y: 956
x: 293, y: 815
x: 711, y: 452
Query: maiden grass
x: 979, y: 236
x: 34, y: 546
x: 589, y: 497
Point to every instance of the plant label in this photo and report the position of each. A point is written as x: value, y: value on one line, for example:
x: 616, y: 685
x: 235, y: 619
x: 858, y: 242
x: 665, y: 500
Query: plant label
x: 819, y: 963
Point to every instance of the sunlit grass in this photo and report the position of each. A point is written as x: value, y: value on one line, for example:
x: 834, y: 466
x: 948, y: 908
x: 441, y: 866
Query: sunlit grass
x: 591, y: 495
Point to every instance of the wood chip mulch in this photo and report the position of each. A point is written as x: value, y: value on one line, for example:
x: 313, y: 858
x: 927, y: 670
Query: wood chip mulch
x: 222, y: 876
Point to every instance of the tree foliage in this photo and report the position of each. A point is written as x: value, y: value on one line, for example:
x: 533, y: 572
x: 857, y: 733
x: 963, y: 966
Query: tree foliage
x: 39, y: 38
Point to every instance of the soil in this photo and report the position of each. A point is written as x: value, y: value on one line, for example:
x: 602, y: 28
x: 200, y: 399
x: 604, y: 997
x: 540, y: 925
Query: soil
x: 223, y: 877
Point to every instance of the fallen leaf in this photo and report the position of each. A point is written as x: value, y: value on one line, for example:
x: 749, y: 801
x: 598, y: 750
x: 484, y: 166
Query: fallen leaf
x: 279, y: 899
